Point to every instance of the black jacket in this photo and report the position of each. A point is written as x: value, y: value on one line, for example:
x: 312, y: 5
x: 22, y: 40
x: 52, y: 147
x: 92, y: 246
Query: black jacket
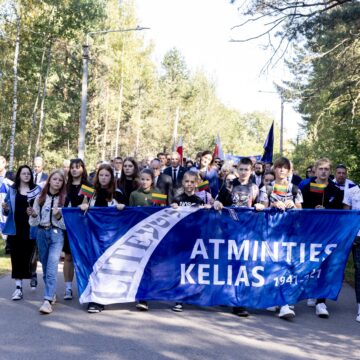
x: 180, y: 175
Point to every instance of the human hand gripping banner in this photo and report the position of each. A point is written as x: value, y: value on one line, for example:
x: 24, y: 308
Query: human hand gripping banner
x: 205, y: 257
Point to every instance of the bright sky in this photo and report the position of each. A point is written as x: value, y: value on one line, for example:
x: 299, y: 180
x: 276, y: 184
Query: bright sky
x: 200, y: 29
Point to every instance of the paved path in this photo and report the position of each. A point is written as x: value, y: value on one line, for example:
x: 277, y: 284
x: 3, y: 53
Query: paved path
x: 122, y: 332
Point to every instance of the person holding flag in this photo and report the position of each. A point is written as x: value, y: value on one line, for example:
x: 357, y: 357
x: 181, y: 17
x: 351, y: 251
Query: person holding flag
x: 282, y: 194
x: 208, y: 171
x: 320, y: 192
x: 77, y: 180
x: 146, y: 195
x: 104, y: 194
x: 17, y: 207
x: 242, y: 192
x: 187, y: 197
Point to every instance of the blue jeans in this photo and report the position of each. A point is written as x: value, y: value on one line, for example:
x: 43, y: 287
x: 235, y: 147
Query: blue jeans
x: 356, y: 257
x: 50, y: 243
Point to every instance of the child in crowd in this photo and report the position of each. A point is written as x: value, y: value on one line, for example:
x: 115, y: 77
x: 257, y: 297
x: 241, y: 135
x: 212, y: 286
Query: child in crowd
x: 104, y: 196
x: 239, y: 192
x: 282, y: 195
x: 17, y: 209
x: 46, y: 214
x: 143, y: 197
x: 187, y: 197
x: 269, y: 177
x: 77, y: 176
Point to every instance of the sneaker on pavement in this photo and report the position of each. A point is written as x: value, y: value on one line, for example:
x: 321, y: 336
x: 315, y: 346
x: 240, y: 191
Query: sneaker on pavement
x: 321, y: 311
x: 17, y: 294
x: 286, y: 312
x: 311, y: 302
x: 358, y: 317
x: 33, y: 282
x: 240, y: 311
x: 68, y: 294
x: 94, y: 308
x: 46, y: 307
x: 142, y: 305
x: 178, y: 307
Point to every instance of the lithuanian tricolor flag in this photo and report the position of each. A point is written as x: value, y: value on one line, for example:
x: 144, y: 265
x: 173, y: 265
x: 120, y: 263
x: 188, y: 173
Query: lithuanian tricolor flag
x: 158, y: 198
x: 86, y: 191
x: 203, y: 185
x: 317, y: 188
x: 280, y: 189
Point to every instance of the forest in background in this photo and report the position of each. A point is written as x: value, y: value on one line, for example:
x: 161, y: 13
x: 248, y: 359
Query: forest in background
x: 324, y: 38
x: 133, y: 103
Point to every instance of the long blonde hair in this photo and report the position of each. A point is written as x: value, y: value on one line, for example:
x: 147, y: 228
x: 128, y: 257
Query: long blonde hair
x: 45, y: 190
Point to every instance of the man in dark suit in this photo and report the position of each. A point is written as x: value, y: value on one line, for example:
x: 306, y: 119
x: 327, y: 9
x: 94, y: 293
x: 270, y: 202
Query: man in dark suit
x: 162, y: 182
x: 175, y: 171
x: 258, y: 174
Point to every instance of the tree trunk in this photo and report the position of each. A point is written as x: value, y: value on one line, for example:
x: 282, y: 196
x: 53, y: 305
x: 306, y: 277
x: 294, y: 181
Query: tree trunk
x: 138, y: 132
x: 121, y: 91
x: 42, y: 105
x: 103, y: 152
x: 15, y: 68
x: 35, y: 109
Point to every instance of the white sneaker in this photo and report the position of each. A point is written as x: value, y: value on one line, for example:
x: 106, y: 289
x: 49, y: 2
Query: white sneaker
x: 286, y: 312
x: 311, y: 302
x: 46, y: 307
x: 17, y: 294
x: 321, y: 311
x: 358, y: 317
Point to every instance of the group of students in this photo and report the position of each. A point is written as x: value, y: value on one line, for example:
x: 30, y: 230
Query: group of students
x: 207, y: 182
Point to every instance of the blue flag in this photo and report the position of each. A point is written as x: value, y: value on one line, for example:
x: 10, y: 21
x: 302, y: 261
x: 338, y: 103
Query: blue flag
x: 237, y: 257
x: 269, y: 146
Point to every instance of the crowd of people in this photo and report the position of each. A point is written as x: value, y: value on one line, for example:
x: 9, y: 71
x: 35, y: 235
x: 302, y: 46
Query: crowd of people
x: 33, y: 226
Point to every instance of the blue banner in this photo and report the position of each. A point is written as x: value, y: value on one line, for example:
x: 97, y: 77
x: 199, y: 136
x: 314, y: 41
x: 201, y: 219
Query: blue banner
x: 204, y: 257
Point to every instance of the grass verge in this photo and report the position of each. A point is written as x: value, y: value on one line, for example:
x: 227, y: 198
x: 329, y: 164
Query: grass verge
x: 5, y: 265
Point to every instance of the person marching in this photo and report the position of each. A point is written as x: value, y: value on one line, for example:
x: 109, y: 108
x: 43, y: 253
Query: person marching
x: 321, y: 193
x: 77, y: 176
x: 144, y: 197
x: 187, y: 197
x: 17, y: 208
x: 240, y: 192
x: 46, y: 214
x: 104, y: 195
x: 282, y: 195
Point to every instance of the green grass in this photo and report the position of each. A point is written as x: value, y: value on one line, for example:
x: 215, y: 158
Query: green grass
x: 5, y: 265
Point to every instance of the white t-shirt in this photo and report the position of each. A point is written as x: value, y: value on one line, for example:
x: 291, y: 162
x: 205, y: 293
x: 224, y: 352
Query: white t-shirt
x: 352, y: 198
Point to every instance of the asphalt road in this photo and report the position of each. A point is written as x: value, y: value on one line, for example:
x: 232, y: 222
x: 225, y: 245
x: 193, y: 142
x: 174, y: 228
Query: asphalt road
x: 122, y: 332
